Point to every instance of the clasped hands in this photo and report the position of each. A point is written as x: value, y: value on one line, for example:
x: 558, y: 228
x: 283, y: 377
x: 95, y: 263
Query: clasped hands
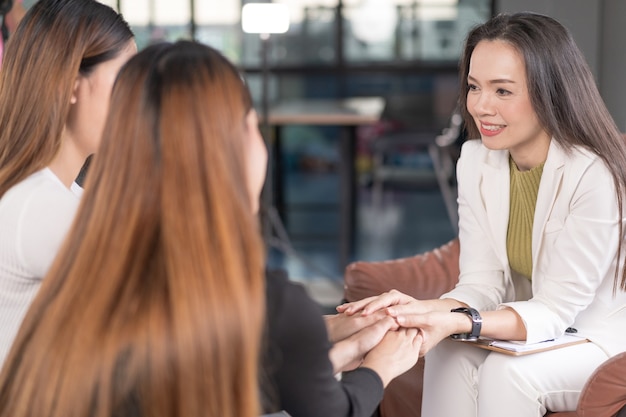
x: 373, y: 341
x: 360, y: 326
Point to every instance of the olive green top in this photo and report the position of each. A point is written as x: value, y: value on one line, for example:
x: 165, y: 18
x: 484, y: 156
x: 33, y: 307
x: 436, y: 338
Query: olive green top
x: 524, y: 188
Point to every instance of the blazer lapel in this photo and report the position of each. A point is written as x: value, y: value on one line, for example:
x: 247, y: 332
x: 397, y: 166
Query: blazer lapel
x: 548, y: 190
x: 495, y: 192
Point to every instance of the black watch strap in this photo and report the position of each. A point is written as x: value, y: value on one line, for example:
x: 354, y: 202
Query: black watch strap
x: 477, y: 323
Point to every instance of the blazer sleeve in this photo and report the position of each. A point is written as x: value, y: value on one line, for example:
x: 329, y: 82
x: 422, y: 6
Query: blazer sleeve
x: 298, y: 363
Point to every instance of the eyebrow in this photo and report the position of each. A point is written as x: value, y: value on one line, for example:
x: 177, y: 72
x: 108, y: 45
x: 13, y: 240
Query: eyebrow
x: 496, y: 81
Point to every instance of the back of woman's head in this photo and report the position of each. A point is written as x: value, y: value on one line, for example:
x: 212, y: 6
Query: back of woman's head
x: 55, y: 42
x: 155, y: 304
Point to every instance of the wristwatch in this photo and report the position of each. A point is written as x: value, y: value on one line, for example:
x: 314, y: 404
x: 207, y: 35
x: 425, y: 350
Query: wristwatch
x: 477, y: 323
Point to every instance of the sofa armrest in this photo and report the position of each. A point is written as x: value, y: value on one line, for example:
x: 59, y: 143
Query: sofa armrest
x: 604, y: 394
x: 423, y: 276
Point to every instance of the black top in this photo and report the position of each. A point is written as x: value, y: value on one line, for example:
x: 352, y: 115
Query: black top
x: 297, y: 373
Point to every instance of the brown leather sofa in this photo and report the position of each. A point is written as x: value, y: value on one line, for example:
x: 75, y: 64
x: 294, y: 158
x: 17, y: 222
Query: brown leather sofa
x: 430, y: 274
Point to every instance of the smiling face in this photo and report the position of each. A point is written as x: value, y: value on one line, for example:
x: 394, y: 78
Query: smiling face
x: 499, y: 102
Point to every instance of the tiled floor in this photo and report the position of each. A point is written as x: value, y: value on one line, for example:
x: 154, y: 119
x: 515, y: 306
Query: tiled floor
x: 408, y: 222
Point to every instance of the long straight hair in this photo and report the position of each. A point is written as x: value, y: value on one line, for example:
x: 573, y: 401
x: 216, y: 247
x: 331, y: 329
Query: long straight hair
x: 155, y: 304
x: 55, y: 42
x: 563, y: 94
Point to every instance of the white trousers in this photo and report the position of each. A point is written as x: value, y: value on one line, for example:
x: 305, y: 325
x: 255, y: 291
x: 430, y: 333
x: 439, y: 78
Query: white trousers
x: 465, y: 381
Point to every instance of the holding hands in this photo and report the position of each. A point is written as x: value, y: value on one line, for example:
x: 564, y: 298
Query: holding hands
x: 342, y: 326
x: 395, y: 354
x: 349, y: 350
x: 432, y: 317
x: 374, y: 341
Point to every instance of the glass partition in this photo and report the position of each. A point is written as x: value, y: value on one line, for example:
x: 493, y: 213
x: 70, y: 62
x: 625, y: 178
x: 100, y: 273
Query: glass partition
x: 409, y: 30
x: 322, y: 33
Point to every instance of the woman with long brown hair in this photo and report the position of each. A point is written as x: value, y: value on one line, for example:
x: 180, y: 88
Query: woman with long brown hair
x: 56, y: 78
x: 155, y: 305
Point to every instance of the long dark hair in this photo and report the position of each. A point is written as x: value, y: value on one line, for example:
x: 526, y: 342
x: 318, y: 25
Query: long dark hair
x: 562, y: 91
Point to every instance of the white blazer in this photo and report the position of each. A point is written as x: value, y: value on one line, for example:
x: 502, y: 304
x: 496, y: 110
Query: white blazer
x: 574, y: 244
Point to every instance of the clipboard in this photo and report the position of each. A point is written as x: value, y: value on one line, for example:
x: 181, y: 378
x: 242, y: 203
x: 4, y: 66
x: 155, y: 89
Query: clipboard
x: 520, y: 349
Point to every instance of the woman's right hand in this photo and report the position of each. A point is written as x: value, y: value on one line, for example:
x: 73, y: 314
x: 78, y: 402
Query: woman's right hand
x: 395, y: 354
x: 370, y: 305
x: 394, y: 302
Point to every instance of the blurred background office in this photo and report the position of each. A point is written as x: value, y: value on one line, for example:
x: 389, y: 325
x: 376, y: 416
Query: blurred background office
x: 389, y: 175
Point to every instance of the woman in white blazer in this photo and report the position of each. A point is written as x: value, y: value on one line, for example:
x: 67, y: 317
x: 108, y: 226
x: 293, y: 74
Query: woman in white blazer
x: 541, y: 227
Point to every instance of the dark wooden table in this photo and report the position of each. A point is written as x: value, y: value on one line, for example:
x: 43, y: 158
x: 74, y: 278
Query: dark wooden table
x: 349, y: 114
